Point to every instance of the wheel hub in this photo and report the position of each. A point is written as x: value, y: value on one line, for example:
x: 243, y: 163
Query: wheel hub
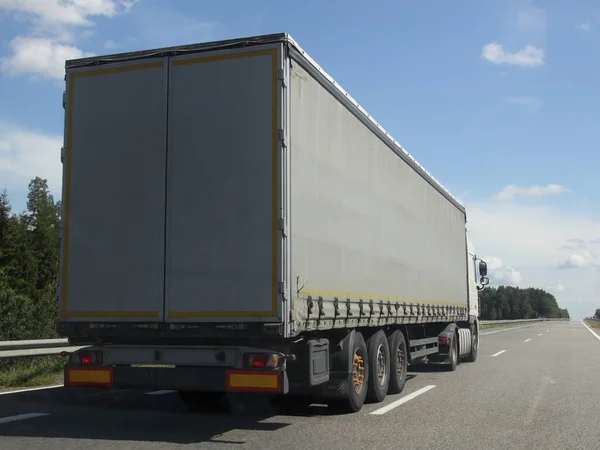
x: 381, y: 362
x: 399, y: 364
x: 358, y: 372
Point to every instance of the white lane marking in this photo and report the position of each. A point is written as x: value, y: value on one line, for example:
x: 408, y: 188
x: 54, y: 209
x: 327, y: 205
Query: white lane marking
x: 399, y: 402
x: 590, y: 330
x: 107, y: 392
x: 505, y: 329
x: 19, y: 391
x: 540, y: 334
x: 9, y: 419
x: 499, y: 353
x: 159, y: 392
x: 547, y: 331
x: 526, y: 340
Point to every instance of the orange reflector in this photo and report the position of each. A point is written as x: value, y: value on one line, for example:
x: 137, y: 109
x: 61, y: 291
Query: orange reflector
x: 88, y: 376
x: 253, y: 381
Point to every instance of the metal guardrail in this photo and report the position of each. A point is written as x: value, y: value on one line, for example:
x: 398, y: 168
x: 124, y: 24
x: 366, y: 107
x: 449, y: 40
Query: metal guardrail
x: 35, y: 347
x: 43, y: 347
x: 518, y: 320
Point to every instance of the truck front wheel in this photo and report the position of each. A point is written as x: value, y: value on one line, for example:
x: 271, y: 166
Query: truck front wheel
x: 472, y: 356
x: 453, y: 355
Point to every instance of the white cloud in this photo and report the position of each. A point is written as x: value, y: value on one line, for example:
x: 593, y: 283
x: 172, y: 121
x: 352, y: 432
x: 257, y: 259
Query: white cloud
x: 529, y: 56
x: 65, y: 12
x: 585, y: 27
x: 576, y: 244
x: 511, y: 191
x: 572, y: 262
x: 501, y: 274
x: 55, y: 25
x: 530, y: 239
x: 581, y: 260
x: 556, y: 289
x: 25, y: 154
x: 40, y: 56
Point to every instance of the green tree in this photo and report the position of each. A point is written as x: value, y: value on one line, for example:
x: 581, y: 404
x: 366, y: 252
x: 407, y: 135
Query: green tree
x: 510, y: 302
x: 43, y: 222
x: 16, y: 259
x: 29, y: 265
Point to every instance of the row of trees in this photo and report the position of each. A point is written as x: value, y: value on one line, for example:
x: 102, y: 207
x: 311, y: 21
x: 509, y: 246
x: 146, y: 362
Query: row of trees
x: 29, y: 256
x: 510, y: 303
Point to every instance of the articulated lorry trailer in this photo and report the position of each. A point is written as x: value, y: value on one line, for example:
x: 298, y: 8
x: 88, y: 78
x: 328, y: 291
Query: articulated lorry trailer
x: 234, y: 222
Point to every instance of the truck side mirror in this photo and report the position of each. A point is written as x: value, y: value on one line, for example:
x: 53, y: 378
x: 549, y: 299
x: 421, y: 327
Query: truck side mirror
x: 482, y: 268
x: 484, y: 281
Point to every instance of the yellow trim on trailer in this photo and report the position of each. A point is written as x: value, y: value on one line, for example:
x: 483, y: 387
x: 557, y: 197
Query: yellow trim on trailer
x: 194, y: 314
x: 377, y: 297
x: 274, y: 185
x: 67, y: 194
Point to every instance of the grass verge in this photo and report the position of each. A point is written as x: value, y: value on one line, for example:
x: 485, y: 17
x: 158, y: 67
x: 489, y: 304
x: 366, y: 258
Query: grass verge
x: 485, y: 326
x: 592, y: 323
x: 31, y: 371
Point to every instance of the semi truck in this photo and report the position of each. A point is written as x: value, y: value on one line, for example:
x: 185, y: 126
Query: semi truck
x: 235, y: 223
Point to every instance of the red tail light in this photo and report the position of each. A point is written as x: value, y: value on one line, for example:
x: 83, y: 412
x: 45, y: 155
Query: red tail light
x: 260, y: 361
x: 89, y: 358
x: 444, y: 341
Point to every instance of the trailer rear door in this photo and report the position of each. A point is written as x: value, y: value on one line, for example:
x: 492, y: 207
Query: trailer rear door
x: 112, y: 258
x: 223, y: 182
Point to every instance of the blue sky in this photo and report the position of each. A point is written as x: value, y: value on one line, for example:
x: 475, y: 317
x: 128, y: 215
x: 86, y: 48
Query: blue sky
x: 498, y: 99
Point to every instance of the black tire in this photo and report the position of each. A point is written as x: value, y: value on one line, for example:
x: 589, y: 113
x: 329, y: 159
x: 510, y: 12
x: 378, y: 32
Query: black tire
x: 203, y: 401
x: 453, y: 356
x: 472, y: 357
x: 379, y: 367
x: 398, y: 362
x: 354, y: 395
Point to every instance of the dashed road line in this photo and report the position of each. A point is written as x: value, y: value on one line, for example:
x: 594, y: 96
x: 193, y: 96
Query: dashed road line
x: 527, y: 340
x: 107, y: 392
x: 10, y: 419
x: 499, y: 353
x: 506, y: 329
x: 401, y: 401
x: 590, y: 330
x: 160, y: 392
x: 540, y: 334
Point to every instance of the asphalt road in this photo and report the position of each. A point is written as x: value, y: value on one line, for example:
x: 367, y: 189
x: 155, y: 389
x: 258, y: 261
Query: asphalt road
x: 534, y: 387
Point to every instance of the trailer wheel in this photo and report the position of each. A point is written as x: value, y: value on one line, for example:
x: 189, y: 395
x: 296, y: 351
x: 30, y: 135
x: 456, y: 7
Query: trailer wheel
x: 472, y: 357
x: 379, y: 367
x: 398, y: 362
x: 453, y: 356
x: 357, y: 380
